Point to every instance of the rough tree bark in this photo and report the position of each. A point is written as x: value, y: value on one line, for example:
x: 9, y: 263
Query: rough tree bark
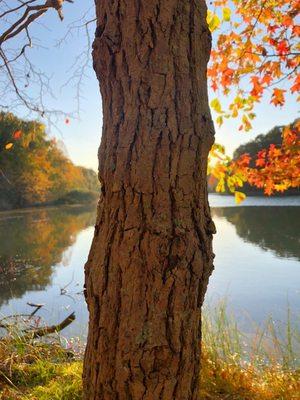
x: 151, y: 256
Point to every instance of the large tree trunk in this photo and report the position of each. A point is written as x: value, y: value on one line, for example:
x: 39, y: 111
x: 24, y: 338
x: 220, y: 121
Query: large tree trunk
x: 151, y: 256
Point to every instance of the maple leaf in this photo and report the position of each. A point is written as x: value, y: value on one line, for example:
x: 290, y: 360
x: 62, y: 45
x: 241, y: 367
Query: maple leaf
x: 272, y: 28
x: 226, y: 14
x: 287, y: 21
x: 273, y: 151
x: 278, y: 97
x: 239, y: 197
x: 244, y: 160
x: 269, y: 188
x: 296, y: 86
x: 216, y: 105
x: 261, y: 158
x: 257, y: 87
x: 267, y: 79
x: 213, y: 21
x: 260, y: 162
x: 17, y: 135
x: 296, y: 30
x: 214, y: 86
x: 282, y: 47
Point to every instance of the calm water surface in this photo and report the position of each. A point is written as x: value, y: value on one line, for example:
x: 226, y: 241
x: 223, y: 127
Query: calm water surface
x: 257, y: 264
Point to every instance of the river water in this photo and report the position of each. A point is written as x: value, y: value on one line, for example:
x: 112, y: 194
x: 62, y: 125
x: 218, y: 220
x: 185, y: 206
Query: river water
x: 257, y: 268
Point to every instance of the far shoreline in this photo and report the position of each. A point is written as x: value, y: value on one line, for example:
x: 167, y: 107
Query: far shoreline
x: 225, y: 196
x: 47, y: 207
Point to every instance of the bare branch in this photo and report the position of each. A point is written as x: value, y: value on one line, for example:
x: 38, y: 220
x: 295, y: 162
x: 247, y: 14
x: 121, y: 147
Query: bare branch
x: 22, y: 84
x: 9, y: 11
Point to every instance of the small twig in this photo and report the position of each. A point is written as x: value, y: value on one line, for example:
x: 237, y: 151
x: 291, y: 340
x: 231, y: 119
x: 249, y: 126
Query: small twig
x: 37, y: 308
x: 9, y: 382
x: 4, y: 176
x: 63, y: 290
x: 47, y: 330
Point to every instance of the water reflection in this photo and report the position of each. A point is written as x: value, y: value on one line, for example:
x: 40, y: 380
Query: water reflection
x: 42, y: 251
x: 33, y: 242
x: 271, y: 228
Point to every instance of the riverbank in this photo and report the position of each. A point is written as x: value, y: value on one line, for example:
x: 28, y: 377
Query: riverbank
x: 41, y: 371
x: 73, y: 198
x: 47, y: 374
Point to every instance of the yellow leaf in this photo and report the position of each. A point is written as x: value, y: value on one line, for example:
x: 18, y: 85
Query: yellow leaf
x: 219, y: 147
x: 281, y: 187
x: 220, y: 120
x: 235, y: 113
x: 226, y: 14
x: 8, y: 146
x: 213, y: 21
x: 239, y: 197
x: 246, y: 123
x: 220, y: 186
x: 216, y: 105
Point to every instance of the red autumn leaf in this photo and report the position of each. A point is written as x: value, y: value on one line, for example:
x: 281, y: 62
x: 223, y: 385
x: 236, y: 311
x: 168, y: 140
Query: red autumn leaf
x: 17, y: 134
x: 282, y: 47
x: 214, y: 86
x: 272, y: 28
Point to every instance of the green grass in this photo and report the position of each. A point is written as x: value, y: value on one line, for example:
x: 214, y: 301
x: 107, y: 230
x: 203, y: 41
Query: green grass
x: 233, y: 367
x: 236, y: 366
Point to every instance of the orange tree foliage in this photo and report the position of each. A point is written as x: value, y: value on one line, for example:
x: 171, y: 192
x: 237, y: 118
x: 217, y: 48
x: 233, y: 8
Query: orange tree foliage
x: 274, y: 169
x: 256, y: 54
x: 33, y: 169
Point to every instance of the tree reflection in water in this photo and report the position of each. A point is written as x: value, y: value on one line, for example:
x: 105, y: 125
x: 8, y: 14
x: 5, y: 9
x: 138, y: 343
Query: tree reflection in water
x: 271, y: 228
x: 32, y: 242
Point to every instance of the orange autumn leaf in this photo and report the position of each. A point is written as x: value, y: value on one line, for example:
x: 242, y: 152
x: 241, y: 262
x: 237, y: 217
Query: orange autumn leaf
x: 239, y: 197
x: 296, y: 86
x: 260, y: 162
x: 278, y: 97
x: 8, y: 146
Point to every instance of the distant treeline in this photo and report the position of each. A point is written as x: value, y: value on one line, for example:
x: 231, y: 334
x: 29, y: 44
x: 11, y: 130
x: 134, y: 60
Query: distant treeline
x: 34, y: 169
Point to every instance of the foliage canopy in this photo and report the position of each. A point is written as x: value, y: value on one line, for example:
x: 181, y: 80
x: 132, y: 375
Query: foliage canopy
x: 33, y: 168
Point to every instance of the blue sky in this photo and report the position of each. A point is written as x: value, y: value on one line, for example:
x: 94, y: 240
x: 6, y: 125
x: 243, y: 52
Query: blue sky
x: 82, y: 137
